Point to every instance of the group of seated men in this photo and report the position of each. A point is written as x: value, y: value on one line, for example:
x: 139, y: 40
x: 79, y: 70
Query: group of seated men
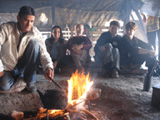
x: 112, y: 50
x: 22, y: 48
x: 127, y: 51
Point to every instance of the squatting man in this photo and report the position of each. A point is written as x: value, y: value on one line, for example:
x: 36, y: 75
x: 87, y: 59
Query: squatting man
x: 22, y: 48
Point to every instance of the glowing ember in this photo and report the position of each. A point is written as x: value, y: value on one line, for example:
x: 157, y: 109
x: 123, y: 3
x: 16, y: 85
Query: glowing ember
x: 78, y: 86
x: 54, y: 111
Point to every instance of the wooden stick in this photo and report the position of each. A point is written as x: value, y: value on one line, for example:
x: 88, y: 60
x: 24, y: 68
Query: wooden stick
x: 89, y: 113
x: 56, y: 83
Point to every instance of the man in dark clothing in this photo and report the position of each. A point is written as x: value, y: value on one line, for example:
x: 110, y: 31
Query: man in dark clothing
x: 79, y: 47
x: 133, y: 51
x: 129, y: 51
x: 106, y: 51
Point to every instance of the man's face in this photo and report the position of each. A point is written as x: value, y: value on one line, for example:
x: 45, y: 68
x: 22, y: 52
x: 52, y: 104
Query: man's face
x: 113, y: 30
x: 130, y: 33
x: 79, y: 29
x: 26, y: 22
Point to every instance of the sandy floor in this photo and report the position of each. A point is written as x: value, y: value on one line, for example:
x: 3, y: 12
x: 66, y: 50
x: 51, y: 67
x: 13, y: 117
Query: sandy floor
x: 121, y: 99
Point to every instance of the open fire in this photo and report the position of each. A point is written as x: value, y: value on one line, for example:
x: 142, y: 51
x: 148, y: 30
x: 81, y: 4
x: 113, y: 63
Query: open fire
x: 79, y: 94
x: 78, y: 87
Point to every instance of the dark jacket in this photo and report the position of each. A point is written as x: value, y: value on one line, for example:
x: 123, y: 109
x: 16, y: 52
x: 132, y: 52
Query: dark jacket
x: 129, y: 49
x: 61, y: 47
x: 106, y: 37
x: 77, y: 40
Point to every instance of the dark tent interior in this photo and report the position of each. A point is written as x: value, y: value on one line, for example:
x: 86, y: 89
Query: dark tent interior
x: 116, y: 99
x: 94, y: 14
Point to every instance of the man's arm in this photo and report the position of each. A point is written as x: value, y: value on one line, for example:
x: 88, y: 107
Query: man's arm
x: 127, y: 45
x: 47, y: 43
x: 1, y: 73
x: 146, y: 51
x: 69, y: 44
x: 146, y: 48
x: 88, y: 44
x: 100, y: 42
x: 84, y: 46
x: 77, y: 48
x: 45, y: 58
x: 3, y: 37
x: 49, y: 73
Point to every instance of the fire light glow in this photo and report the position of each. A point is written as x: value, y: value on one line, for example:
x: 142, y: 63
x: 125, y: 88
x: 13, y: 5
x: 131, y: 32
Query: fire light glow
x: 78, y: 86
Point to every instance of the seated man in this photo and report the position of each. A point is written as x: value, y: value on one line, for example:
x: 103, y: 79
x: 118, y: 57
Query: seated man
x: 21, y: 48
x: 79, y: 47
x: 133, y: 51
x: 106, y: 51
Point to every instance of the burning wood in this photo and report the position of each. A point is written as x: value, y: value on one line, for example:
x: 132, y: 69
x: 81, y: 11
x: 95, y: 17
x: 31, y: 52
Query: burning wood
x: 62, y: 113
x: 17, y: 115
x: 79, y: 91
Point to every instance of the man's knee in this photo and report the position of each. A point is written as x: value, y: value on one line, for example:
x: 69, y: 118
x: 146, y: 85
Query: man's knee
x: 115, y: 51
x: 6, y: 81
x: 4, y: 86
x: 32, y: 47
x: 34, y: 44
x: 108, y: 46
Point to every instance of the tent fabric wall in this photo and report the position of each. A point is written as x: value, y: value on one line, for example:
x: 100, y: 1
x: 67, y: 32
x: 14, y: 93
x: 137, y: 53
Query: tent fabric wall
x: 6, y: 17
x: 62, y: 12
x: 71, y: 16
x: 48, y: 12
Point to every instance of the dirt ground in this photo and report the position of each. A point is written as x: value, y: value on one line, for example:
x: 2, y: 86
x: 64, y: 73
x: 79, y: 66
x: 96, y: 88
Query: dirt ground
x: 121, y: 99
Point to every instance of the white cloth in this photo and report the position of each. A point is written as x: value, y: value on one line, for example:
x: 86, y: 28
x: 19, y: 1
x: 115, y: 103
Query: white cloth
x: 9, y: 39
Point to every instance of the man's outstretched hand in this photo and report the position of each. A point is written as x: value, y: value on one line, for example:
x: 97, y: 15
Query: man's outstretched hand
x: 49, y: 73
x: 1, y: 73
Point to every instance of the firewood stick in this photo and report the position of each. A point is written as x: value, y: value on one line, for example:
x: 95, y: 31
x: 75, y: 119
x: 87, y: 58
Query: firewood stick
x: 72, y: 106
x: 68, y: 117
x: 47, y: 115
x: 84, y: 110
x: 72, y: 111
x: 55, y: 83
x: 89, y: 113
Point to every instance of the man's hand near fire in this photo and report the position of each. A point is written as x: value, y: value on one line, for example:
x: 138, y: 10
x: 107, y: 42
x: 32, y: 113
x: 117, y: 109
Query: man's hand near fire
x: 49, y: 73
x: 77, y: 48
x: 1, y: 73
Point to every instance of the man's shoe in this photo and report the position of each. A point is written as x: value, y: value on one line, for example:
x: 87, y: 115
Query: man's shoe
x: 114, y: 73
x: 31, y: 88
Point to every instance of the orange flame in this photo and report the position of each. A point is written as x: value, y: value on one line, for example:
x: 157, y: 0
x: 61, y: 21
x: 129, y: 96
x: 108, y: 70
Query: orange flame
x: 78, y: 86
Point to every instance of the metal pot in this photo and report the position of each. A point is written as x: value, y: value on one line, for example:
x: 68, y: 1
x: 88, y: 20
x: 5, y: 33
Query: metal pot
x: 54, y: 99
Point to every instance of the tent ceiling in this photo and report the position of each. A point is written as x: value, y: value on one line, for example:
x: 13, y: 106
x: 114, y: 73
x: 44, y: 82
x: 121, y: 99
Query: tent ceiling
x: 12, y: 6
x: 72, y: 11
x: 62, y: 12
